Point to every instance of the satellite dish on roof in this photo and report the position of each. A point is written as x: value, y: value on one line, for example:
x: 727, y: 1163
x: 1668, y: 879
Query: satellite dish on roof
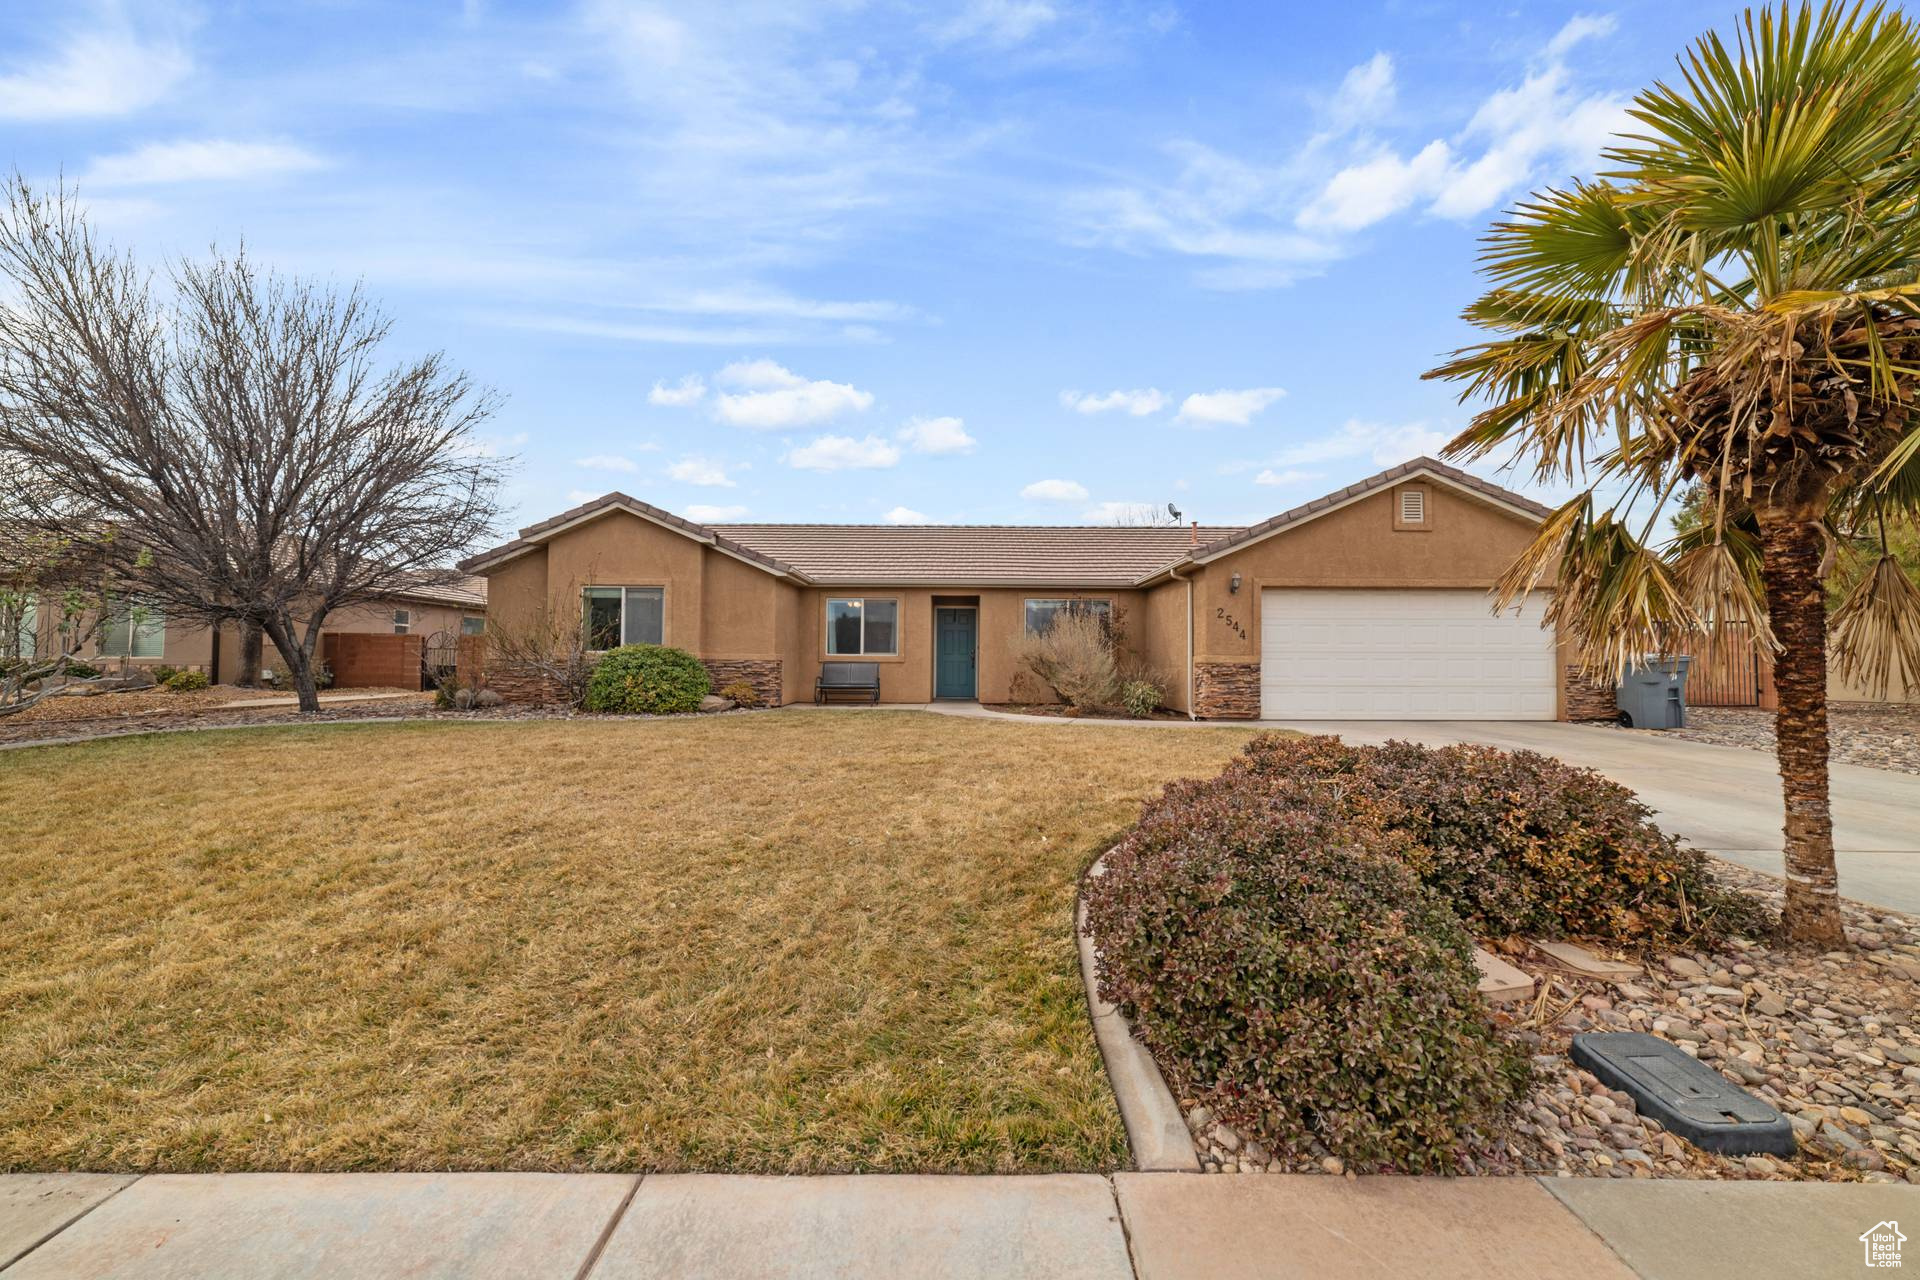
x: 1174, y: 512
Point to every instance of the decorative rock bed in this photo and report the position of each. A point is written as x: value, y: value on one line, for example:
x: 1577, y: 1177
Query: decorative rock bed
x: 1876, y: 735
x: 1828, y: 1039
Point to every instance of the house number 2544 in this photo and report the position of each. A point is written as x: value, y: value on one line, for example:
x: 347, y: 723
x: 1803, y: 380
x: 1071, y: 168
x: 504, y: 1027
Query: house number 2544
x: 1232, y: 622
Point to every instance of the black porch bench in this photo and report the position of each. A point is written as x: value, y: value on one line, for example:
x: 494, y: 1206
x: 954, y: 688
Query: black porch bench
x: 848, y: 677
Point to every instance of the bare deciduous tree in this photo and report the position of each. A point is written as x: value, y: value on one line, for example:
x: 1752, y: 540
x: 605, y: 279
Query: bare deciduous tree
x: 236, y: 427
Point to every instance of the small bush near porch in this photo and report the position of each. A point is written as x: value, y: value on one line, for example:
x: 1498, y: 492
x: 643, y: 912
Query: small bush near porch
x: 791, y: 942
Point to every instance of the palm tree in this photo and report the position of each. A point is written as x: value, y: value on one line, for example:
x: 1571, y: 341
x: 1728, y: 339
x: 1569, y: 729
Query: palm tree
x: 1735, y: 305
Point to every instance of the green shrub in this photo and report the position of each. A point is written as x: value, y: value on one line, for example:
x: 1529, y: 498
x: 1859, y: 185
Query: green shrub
x: 82, y: 671
x: 742, y: 693
x: 1518, y: 842
x: 187, y: 681
x: 647, y: 679
x: 162, y: 673
x: 1140, y: 697
x: 1291, y: 971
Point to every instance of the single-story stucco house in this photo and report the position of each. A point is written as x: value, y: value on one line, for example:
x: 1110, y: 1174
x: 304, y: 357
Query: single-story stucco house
x: 1371, y: 602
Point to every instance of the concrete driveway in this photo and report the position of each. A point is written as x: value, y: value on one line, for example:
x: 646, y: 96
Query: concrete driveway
x: 1725, y: 800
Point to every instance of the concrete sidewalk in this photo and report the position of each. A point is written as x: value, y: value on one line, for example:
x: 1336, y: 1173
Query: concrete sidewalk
x: 1156, y: 1226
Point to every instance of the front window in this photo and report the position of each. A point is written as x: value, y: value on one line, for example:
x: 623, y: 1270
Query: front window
x: 1041, y: 613
x: 623, y: 615
x: 402, y: 622
x: 860, y: 626
x: 473, y: 626
x: 138, y: 631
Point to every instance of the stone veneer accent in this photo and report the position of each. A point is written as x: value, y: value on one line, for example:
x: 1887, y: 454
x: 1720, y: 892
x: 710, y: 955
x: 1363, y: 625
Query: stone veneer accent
x: 764, y: 675
x: 1226, y: 690
x: 518, y: 682
x: 1587, y: 698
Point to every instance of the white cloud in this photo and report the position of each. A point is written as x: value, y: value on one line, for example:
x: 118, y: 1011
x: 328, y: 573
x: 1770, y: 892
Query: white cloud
x: 1383, y: 444
x: 1581, y: 26
x: 1366, y: 92
x: 701, y: 471
x: 108, y: 69
x: 1217, y: 208
x: 755, y: 301
x: 906, y: 515
x: 200, y: 160
x: 1287, y: 479
x: 937, y: 435
x: 998, y: 22
x: 1265, y: 223
x: 690, y: 390
x: 1517, y: 136
x: 1233, y: 408
x: 844, y: 453
x: 700, y: 513
x: 607, y: 462
x: 1055, y: 491
x: 1138, y: 403
x: 773, y: 397
x: 1363, y: 194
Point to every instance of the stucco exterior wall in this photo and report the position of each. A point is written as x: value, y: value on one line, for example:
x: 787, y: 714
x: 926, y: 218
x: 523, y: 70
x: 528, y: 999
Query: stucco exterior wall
x: 1162, y: 631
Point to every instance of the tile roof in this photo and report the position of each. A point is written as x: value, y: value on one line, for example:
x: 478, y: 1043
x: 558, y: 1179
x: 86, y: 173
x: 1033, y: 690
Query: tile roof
x: 535, y: 534
x: 986, y: 555
x: 461, y: 590
x: 973, y: 555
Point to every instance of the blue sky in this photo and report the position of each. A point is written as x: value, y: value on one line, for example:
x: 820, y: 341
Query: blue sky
x: 999, y: 261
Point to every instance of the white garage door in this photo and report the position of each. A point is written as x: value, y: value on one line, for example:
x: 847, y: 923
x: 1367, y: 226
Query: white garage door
x: 1403, y: 655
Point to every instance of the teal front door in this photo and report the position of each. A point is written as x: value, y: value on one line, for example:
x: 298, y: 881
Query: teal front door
x: 953, y: 653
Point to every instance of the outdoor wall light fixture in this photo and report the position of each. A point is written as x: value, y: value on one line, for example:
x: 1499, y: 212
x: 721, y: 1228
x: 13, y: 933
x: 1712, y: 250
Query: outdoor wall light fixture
x: 1233, y: 587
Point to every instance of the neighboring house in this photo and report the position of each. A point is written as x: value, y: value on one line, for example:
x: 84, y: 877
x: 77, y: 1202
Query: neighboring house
x: 1371, y: 602
x: 145, y: 637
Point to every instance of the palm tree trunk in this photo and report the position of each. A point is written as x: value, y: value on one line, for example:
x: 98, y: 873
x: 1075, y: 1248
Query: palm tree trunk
x: 1791, y: 548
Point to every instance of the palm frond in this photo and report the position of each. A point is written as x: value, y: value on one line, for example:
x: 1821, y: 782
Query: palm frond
x: 1875, y: 633
x: 1614, y: 599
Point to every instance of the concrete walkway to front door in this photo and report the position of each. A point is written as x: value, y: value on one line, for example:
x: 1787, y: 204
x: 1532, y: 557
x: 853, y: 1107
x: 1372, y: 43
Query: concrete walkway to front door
x: 1725, y: 800
x: 1153, y: 1226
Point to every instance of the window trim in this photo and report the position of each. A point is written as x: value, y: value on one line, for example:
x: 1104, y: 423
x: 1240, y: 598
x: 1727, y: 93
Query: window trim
x: 826, y: 628
x: 403, y: 622
x: 1027, y: 603
x: 622, y: 588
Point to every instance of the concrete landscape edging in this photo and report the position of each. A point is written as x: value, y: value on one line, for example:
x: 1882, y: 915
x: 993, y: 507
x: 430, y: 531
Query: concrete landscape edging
x: 1156, y: 1131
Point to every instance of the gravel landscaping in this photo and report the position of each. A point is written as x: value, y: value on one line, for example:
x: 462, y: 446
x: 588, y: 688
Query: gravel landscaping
x: 1830, y: 1040
x: 1878, y: 735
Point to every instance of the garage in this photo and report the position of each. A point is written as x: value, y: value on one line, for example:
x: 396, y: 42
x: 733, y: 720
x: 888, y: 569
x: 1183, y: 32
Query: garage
x: 1403, y: 654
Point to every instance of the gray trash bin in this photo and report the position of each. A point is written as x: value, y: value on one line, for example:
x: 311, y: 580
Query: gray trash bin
x: 1653, y: 695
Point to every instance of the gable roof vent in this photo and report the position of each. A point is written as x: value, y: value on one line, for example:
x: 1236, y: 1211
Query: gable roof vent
x: 1413, y: 506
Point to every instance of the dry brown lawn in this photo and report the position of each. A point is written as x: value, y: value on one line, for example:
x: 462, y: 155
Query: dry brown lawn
x: 778, y: 942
